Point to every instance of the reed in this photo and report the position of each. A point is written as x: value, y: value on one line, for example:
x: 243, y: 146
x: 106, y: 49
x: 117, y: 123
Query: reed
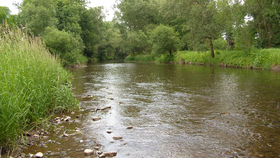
x: 33, y: 85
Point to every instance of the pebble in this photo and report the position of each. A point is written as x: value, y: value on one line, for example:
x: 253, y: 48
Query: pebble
x: 96, y: 148
x: 79, y: 116
x: 129, y: 127
x: 39, y: 154
x: 67, y: 118
x: 108, y: 154
x: 46, y: 137
x: 107, y: 107
x: 96, y: 118
x: 117, y: 138
x: 109, y: 132
x: 88, y: 152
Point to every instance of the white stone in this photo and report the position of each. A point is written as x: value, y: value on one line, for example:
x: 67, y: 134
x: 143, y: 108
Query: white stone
x: 39, y: 154
x: 88, y: 152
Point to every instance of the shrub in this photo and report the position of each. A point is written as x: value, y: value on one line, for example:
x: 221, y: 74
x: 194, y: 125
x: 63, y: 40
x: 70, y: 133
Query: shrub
x: 64, y: 44
x: 164, y: 40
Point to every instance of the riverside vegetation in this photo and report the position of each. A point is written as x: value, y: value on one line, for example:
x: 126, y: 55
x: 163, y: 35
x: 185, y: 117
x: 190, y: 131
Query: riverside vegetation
x: 254, y: 58
x: 33, y: 85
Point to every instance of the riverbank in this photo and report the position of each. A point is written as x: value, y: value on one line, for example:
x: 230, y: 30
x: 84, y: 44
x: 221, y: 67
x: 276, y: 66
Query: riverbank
x: 254, y: 58
x: 33, y: 86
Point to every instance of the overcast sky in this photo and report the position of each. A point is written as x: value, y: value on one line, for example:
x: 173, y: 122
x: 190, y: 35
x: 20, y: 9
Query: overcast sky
x: 108, y: 4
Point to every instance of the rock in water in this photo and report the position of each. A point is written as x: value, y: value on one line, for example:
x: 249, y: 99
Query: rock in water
x: 117, y: 138
x: 96, y: 118
x: 39, y: 154
x: 108, y: 154
x: 88, y: 152
x: 129, y: 127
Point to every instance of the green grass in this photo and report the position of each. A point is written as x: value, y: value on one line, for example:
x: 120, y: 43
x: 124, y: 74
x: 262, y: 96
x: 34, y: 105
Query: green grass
x: 253, y: 58
x: 33, y: 85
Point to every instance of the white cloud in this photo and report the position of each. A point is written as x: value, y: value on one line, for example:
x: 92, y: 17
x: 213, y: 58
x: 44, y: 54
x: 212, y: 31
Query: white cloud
x: 9, y: 4
x: 107, y: 4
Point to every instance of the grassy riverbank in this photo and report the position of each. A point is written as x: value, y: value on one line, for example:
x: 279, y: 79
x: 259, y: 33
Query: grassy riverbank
x: 254, y: 58
x: 33, y: 85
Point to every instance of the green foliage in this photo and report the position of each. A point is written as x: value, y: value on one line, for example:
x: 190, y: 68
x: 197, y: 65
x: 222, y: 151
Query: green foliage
x: 220, y: 44
x: 164, y: 58
x: 64, y: 44
x: 141, y: 57
x: 38, y: 15
x: 33, y: 84
x: 130, y: 58
x: 164, y: 40
x: 253, y: 58
x: 4, y: 13
x: 91, y: 22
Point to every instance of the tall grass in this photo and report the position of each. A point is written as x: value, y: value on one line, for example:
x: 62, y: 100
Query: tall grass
x: 33, y: 84
x: 254, y: 58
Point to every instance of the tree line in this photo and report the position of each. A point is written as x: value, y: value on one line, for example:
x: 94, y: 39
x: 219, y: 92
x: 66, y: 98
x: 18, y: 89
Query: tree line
x: 70, y: 29
x: 164, y: 26
x: 77, y: 33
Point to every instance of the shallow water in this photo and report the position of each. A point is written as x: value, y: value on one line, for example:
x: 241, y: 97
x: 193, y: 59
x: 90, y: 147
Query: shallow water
x: 175, y: 111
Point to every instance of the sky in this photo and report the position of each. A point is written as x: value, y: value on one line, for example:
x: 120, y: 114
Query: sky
x: 108, y: 4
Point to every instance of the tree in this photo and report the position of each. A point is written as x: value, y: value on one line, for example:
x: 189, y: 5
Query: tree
x: 4, y: 13
x: 165, y: 40
x: 64, y: 44
x: 92, y: 26
x: 265, y: 20
x: 136, y: 14
x: 38, y: 15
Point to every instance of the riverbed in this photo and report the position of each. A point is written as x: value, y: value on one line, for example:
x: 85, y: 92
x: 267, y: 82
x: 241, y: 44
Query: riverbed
x: 171, y: 111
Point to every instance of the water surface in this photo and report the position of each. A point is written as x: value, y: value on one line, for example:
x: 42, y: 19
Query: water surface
x: 178, y: 111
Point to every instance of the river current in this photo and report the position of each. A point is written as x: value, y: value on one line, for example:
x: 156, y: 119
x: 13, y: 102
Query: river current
x: 175, y: 111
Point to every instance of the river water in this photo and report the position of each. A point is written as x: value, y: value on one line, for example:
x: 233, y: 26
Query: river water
x: 175, y: 111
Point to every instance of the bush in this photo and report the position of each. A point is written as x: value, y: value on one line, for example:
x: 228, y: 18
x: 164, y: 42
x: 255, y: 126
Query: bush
x: 64, y: 44
x: 33, y: 84
x: 164, y: 40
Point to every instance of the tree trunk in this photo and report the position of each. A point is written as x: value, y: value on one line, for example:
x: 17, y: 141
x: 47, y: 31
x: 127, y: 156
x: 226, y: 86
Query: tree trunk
x: 193, y: 40
x: 211, y: 46
x: 170, y: 52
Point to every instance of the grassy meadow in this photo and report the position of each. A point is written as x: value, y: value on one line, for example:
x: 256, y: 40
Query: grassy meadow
x: 33, y: 85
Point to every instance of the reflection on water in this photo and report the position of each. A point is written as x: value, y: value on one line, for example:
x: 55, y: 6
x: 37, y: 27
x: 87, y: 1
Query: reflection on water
x: 180, y: 110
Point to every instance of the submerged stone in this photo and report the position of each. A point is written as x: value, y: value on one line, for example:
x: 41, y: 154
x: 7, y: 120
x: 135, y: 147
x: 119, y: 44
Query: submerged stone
x: 108, y: 154
x: 117, y: 138
x: 96, y: 118
x: 39, y: 154
x: 88, y: 152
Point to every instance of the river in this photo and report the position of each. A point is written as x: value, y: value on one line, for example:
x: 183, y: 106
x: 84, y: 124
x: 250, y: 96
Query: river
x: 175, y: 111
